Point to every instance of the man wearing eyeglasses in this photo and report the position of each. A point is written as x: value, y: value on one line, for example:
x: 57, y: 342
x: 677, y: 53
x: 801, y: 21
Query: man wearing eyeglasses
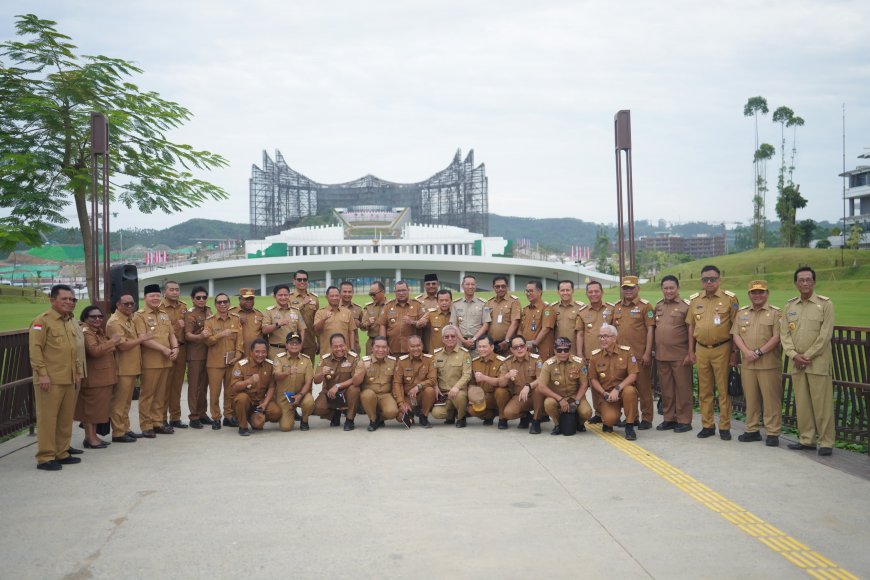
x: 401, y: 318
x: 470, y: 315
x: 504, y: 313
x: 453, y: 371
x: 372, y: 312
x: 158, y: 354
x: 613, y: 369
x: 176, y: 309
x: 197, y: 355
x: 307, y: 304
x: 710, y: 318
x: 516, y: 396
x: 223, y: 335
x: 415, y: 375
x: 129, y: 360
x: 588, y: 323
x: 436, y: 321
x: 538, y: 321
x: 635, y: 318
x: 356, y: 311
x: 562, y: 383
x: 250, y: 318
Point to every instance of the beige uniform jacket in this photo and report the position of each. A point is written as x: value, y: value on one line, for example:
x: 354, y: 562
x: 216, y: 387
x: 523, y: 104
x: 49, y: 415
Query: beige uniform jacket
x: 157, y: 322
x: 452, y: 369
x: 611, y: 366
x: 221, y: 350
x: 300, y: 370
x: 245, y: 369
x: 411, y: 372
x: 632, y: 320
x: 563, y: 378
x: 129, y: 361
x: 712, y: 317
x: 672, y: 332
x: 502, y: 314
x: 527, y: 369
x: 469, y: 316
x: 589, y: 320
x: 54, y: 350
x: 755, y: 328
x: 806, y: 328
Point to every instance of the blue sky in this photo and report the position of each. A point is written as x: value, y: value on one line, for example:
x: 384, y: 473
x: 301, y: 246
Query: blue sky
x: 394, y: 88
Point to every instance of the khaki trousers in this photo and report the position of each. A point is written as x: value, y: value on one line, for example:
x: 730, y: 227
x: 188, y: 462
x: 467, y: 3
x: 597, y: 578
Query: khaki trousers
x: 174, y: 384
x: 288, y: 411
x: 244, y: 408
x: 491, y: 407
x: 644, y: 391
x: 762, y: 389
x: 152, y: 397
x: 197, y: 387
x: 675, y: 380
x: 122, y: 398
x: 713, y: 374
x: 324, y: 411
x: 454, y: 409
x: 551, y: 407
x: 54, y: 420
x: 218, y: 378
x: 596, y: 402
x: 610, y: 412
x: 814, y: 402
x: 424, y: 402
x: 375, y: 404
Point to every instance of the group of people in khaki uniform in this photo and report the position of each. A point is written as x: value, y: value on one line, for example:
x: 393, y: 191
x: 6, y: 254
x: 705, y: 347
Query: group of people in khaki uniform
x: 433, y: 356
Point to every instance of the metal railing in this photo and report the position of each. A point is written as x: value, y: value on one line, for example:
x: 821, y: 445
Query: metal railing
x: 17, y: 408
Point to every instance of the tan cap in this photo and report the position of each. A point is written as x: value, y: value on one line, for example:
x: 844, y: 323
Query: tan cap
x: 629, y: 281
x: 476, y: 395
x: 758, y: 285
x: 246, y: 293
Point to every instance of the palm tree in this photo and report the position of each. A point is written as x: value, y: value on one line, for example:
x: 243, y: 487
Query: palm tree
x: 764, y: 153
x: 754, y: 107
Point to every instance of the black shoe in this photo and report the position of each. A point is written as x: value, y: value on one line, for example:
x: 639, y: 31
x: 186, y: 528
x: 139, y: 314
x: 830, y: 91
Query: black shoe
x: 336, y: 419
x: 69, y: 460
x: 524, y: 421
x: 620, y: 423
x: 134, y: 435
x: 825, y: 451
x: 196, y: 424
x: 607, y: 429
x: 535, y: 427
x: 747, y: 437
x: 373, y: 426
x: 772, y: 441
x: 74, y: 451
x: 546, y: 419
x: 234, y: 422
x: 630, y: 435
x: 381, y: 423
x: 488, y: 421
x: 706, y: 432
x: 149, y: 434
x: 215, y: 425
x: 227, y: 422
x: 581, y: 428
x: 303, y: 426
x: 683, y: 428
x: 298, y: 415
x: 244, y: 432
x: 644, y: 425
x: 725, y: 434
x: 424, y: 422
x: 557, y: 430
x: 51, y: 465
x: 594, y: 420
x: 801, y: 447
x: 666, y: 426
x: 205, y: 420
x: 125, y: 438
x: 348, y: 425
x: 178, y: 424
x: 161, y: 430
x: 502, y: 424
x: 460, y: 423
x: 449, y: 421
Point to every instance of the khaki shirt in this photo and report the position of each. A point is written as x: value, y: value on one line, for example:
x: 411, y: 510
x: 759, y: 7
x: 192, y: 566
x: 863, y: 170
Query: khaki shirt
x: 245, y: 368
x: 755, y: 328
x: 589, y: 320
x: 527, y: 369
x: 712, y: 317
x: 371, y: 315
x: 194, y: 323
x: 307, y: 303
x: 502, y: 314
x: 452, y: 369
x: 102, y: 369
x: 54, y: 351
x: 411, y: 372
x: 610, y: 367
x: 536, y: 317
x: 158, y: 323
x: 427, y: 301
x: 252, y: 325
x: 806, y: 328
x: 342, y: 369
x: 397, y: 331
x: 357, y: 313
x: 672, y: 332
x: 129, y: 361
x: 432, y: 333
x: 379, y: 377
x: 291, y: 315
x: 563, y: 378
x: 301, y: 372
x: 566, y: 321
x: 632, y: 320
x: 222, y: 349
x: 338, y: 320
x: 176, y: 312
x: 469, y: 316
x: 489, y: 366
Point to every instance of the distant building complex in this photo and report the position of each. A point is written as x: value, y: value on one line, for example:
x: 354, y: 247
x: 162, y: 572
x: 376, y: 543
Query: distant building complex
x: 697, y: 246
x: 858, y: 195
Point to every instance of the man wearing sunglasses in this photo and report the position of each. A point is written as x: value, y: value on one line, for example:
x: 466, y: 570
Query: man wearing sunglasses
x: 372, y: 312
x: 516, y: 395
x: 306, y: 303
x: 197, y: 354
x: 129, y: 359
x: 504, y: 313
x: 223, y: 334
x: 612, y: 371
x: 562, y: 383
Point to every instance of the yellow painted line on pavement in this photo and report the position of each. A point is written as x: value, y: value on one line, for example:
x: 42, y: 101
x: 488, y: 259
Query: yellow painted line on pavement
x: 795, y: 552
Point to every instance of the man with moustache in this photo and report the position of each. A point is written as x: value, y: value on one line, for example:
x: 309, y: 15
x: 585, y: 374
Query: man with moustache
x: 333, y: 319
x: 372, y: 312
x: 561, y: 382
x: 515, y: 395
x: 400, y: 319
x: 250, y: 318
x: 346, y: 291
x: 307, y: 304
x: 437, y: 320
x: 223, y: 335
x: 340, y: 374
x: 537, y: 322
x: 484, y: 374
x: 294, y: 373
x: 379, y: 395
x: 281, y: 319
x: 504, y: 313
x: 253, y: 389
x: 453, y: 372
x: 129, y: 360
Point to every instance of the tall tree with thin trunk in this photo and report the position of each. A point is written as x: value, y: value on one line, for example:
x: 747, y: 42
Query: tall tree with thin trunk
x: 754, y: 107
x: 764, y: 154
x: 794, y: 122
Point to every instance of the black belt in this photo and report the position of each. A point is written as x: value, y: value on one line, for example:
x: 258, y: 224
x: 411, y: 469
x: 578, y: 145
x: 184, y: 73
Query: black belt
x: 715, y: 345
x: 276, y: 345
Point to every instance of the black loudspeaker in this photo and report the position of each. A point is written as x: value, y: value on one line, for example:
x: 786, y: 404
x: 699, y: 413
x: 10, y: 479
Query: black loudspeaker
x: 125, y: 280
x: 99, y: 134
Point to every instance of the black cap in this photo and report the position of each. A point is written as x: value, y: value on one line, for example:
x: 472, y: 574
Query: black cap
x: 294, y: 336
x: 151, y: 288
x: 430, y: 278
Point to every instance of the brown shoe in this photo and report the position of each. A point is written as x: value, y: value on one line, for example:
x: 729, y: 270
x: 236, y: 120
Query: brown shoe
x: 164, y: 430
x: 149, y: 434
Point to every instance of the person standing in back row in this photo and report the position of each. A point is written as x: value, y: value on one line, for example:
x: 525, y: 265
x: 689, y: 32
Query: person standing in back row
x: 307, y: 303
x: 672, y: 358
x: 635, y: 320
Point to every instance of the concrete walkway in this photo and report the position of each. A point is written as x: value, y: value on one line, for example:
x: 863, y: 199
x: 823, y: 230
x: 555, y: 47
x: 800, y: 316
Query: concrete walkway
x: 434, y: 503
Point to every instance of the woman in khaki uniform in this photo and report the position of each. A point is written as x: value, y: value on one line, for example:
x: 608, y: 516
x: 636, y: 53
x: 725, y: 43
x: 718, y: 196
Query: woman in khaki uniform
x: 95, y: 399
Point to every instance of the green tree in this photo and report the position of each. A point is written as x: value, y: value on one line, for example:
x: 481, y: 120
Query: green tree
x: 754, y: 107
x: 782, y: 115
x: 794, y: 122
x: 823, y: 244
x: 601, y: 249
x: 47, y: 94
x: 853, y: 242
x: 805, y: 230
x: 790, y: 200
x: 764, y: 154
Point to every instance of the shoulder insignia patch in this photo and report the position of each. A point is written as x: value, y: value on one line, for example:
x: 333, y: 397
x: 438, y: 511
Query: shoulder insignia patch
x: 686, y: 301
x: 747, y: 307
x: 823, y: 297
x: 730, y: 293
x: 501, y: 358
x: 695, y: 295
x: 273, y: 307
x: 268, y: 360
x: 427, y: 355
x: 579, y: 303
x: 306, y: 356
x: 514, y: 297
x: 353, y: 354
x: 404, y: 357
x: 584, y: 307
x: 535, y: 356
x: 475, y: 359
x: 643, y: 301
x: 280, y: 354
x: 551, y: 361
x: 624, y: 347
x: 463, y: 348
x: 243, y: 362
x: 774, y: 307
x: 367, y: 358
x: 234, y: 314
x: 326, y: 356
x: 457, y: 300
x: 596, y: 351
x: 577, y: 359
x: 370, y: 303
x: 209, y: 317
x: 439, y: 349
x: 793, y: 299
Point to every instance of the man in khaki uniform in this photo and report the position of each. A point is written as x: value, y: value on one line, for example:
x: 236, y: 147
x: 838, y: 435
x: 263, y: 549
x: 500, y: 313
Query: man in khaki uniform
x: 470, y: 315
x: 673, y: 363
x: 372, y: 312
x: 334, y: 319
x: 517, y: 376
x: 504, y: 313
x: 57, y: 374
x: 484, y: 374
x: 294, y: 373
x: 806, y: 329
x: 129, y: 360
x: 635, y: 320
x: 281, y: 319
x: 453, y: 372
x: 253, y: 386
x: 710, y: 318
x: 176, y: 309
x: 566, y: 310
x: 436, y: 321
x: 346, y: 290
x: 340, y: 374
x: 561, y: 383
x: 756, y: 335
x: 379, y: 395
x: 223, y: 335
x: 415, y: 375
x: 429, y: 298
x: 588, y: 323
x: 250, y: 318
x: 307, y: 304
x: 537, y: 322
x: 401, y: 319
x: 197, y: 355
x: 613, y: 369
x: 158, y: 354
